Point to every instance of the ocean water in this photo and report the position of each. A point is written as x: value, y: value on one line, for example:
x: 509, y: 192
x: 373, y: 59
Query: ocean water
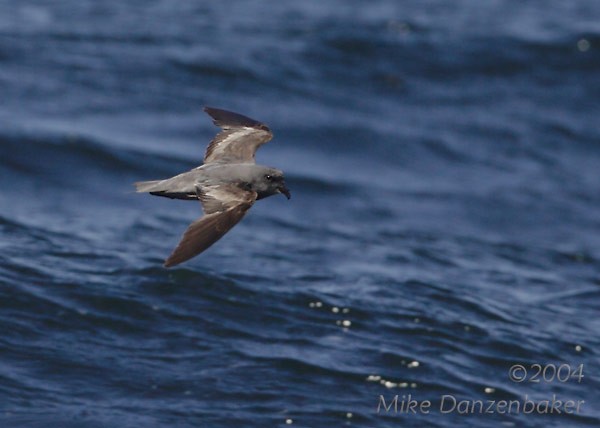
x: 444, y: 164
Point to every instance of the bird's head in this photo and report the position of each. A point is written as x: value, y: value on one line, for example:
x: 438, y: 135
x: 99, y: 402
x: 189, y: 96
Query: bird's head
x: 270, y: 182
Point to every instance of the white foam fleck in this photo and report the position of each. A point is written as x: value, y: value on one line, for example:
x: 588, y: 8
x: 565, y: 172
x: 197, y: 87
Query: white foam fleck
x: 583, y: 45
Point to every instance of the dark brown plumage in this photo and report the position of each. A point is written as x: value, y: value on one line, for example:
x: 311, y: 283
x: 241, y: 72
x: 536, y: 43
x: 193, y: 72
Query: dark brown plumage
x: 224, y: 207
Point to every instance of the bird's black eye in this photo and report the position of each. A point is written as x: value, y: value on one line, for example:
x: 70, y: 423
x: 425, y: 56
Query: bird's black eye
x: 268, y: 177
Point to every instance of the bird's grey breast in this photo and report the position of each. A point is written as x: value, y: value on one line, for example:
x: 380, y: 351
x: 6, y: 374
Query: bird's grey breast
x: 232, y: 172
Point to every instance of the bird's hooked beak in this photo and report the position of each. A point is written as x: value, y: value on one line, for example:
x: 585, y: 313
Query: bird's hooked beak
x: 283, y: 189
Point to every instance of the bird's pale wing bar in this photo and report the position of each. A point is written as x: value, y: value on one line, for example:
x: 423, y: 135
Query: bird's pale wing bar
x: 239, y: 140
x: 225, y: 206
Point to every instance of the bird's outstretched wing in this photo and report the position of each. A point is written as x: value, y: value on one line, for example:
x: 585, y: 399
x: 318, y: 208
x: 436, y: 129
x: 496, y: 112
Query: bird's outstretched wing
x: 239, y: 139
x: 224, y: 207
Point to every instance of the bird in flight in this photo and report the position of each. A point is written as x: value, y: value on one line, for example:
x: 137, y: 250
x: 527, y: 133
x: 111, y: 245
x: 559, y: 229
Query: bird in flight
x: 227, y: 184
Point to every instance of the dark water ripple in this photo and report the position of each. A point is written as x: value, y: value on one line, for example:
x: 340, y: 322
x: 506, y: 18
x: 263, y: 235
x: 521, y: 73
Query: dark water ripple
x: 443, y: 160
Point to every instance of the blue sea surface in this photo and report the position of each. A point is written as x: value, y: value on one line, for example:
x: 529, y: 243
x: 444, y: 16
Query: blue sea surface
x: 444, y: 226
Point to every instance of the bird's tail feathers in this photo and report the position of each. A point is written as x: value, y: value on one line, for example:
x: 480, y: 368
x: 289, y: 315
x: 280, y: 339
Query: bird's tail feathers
x: 147, y: 186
